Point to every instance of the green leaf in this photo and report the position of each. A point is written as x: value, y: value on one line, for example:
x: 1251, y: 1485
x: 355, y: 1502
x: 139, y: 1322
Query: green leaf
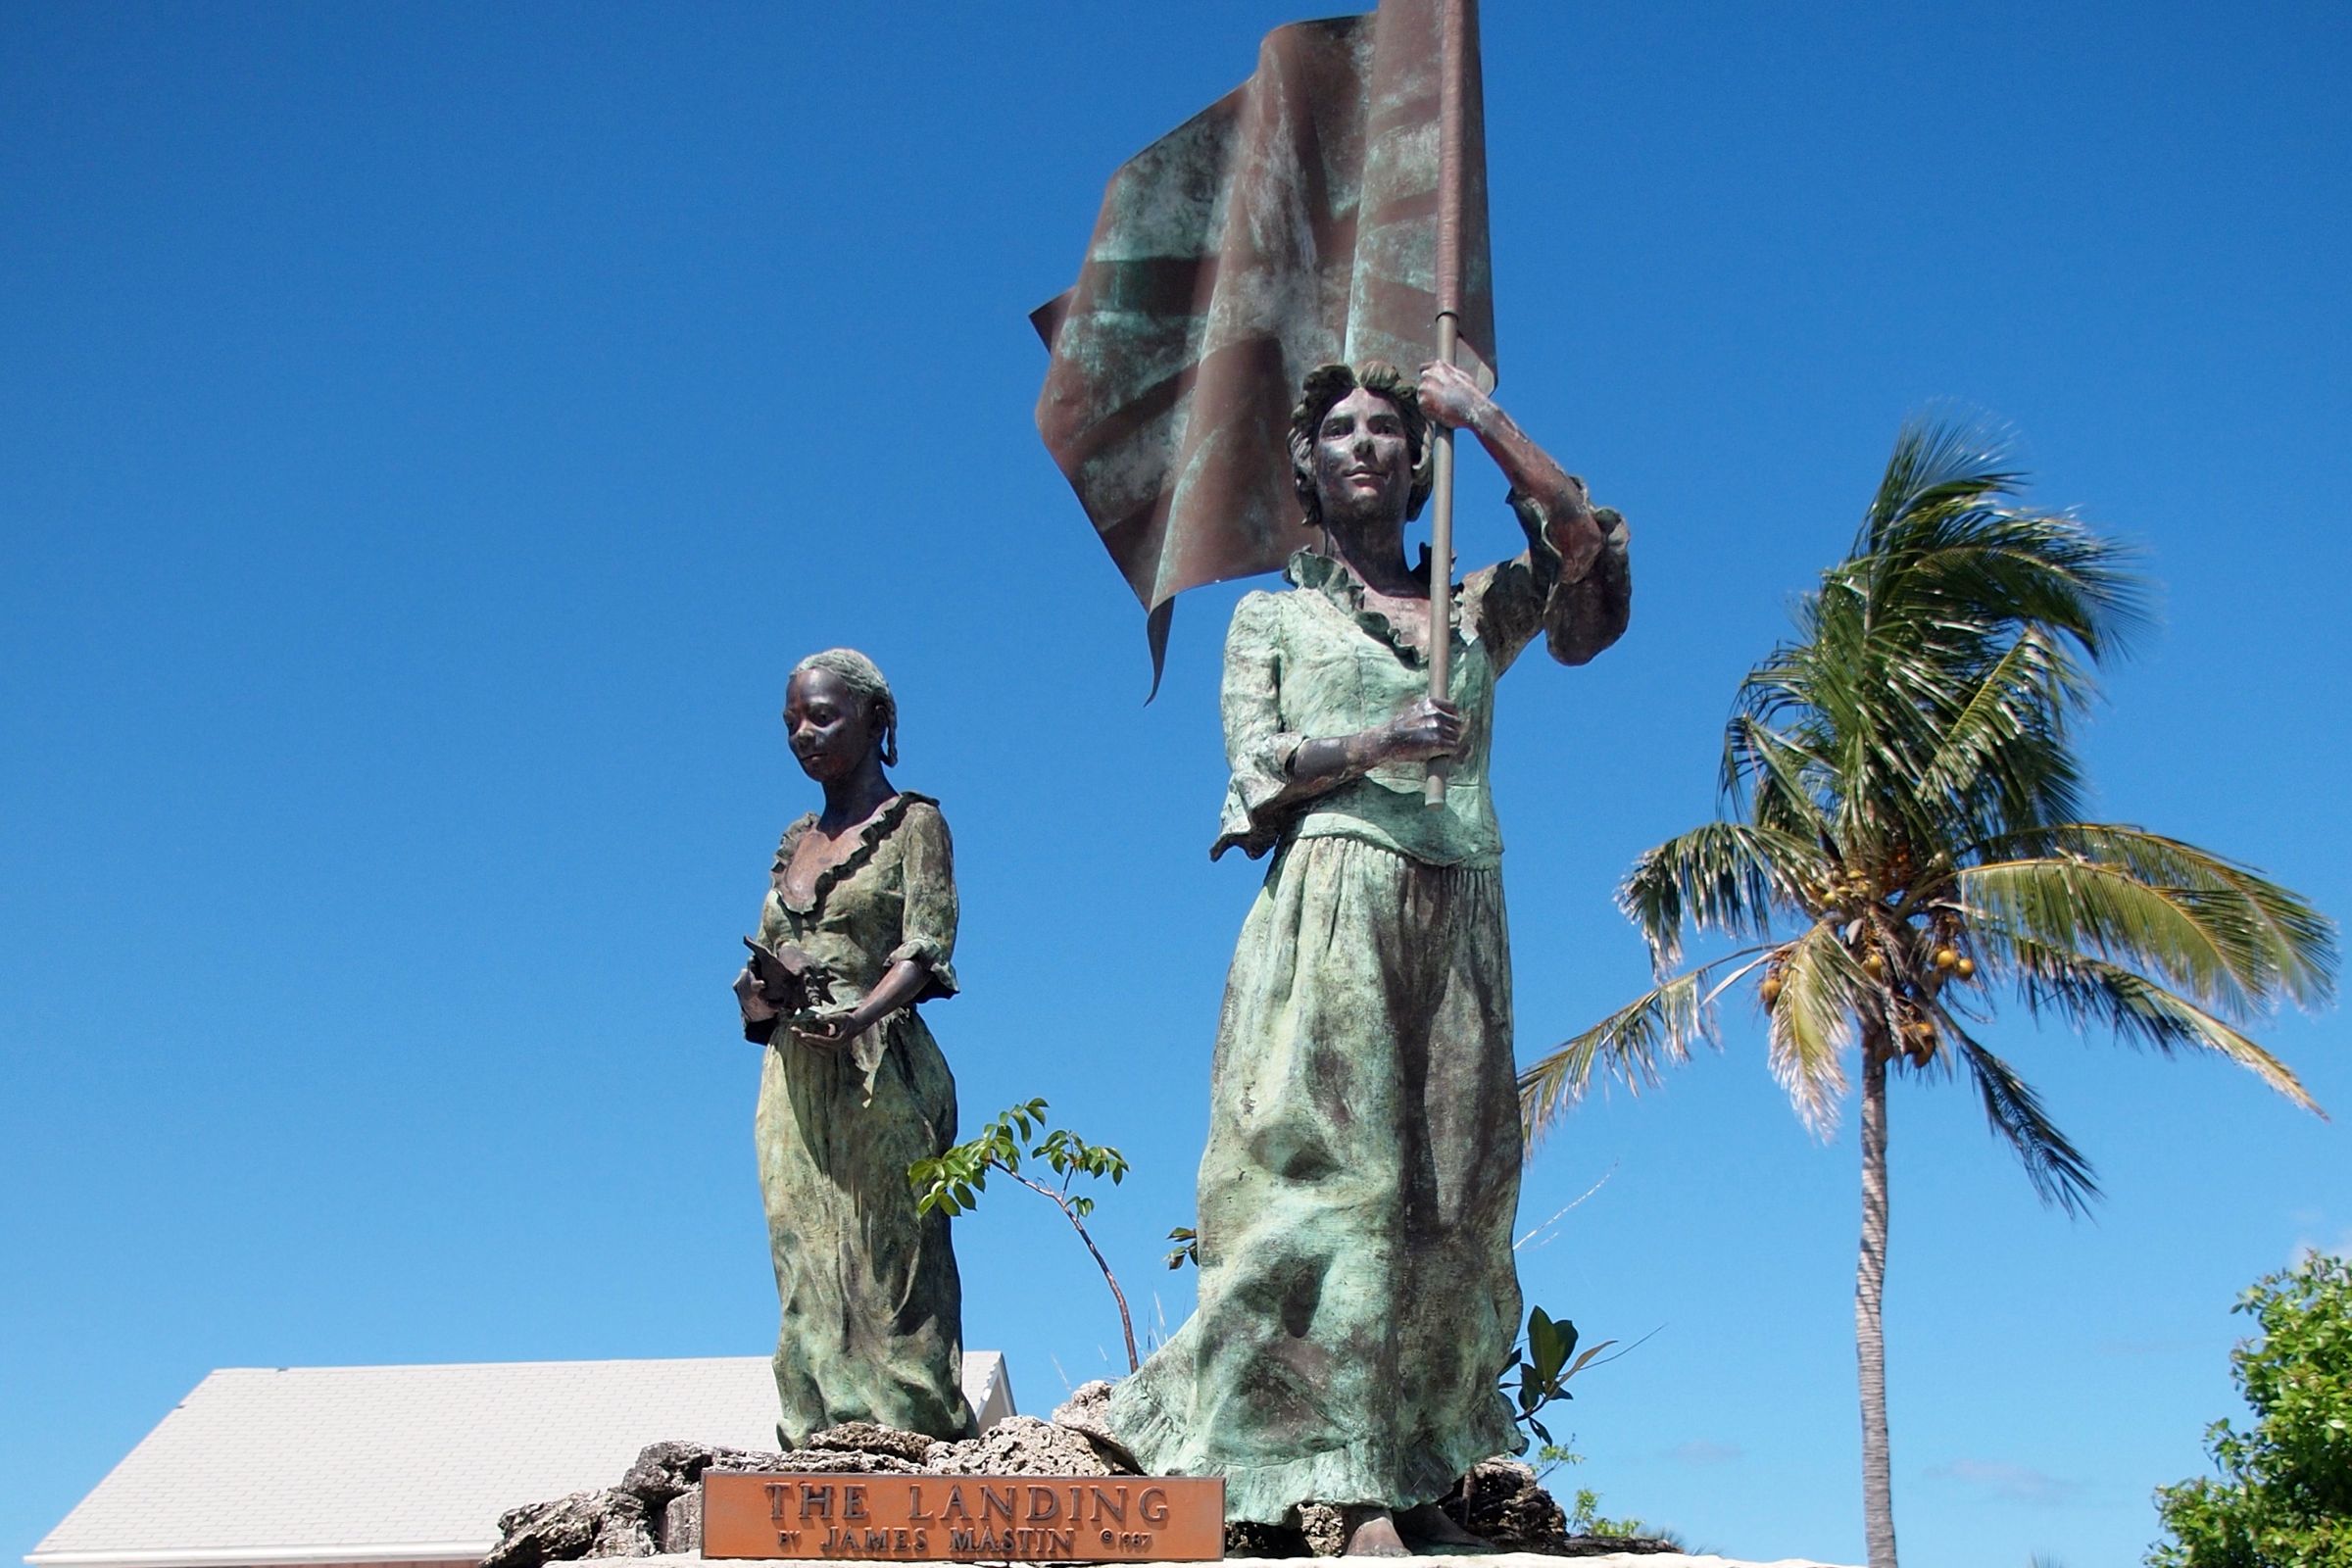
x: 1548, y: 1344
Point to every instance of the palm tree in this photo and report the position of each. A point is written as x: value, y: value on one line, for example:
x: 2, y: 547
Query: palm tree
x: 1904, y: 837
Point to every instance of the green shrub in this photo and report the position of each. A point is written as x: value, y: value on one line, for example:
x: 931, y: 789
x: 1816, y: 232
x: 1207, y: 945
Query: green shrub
x: 2283, y: 1498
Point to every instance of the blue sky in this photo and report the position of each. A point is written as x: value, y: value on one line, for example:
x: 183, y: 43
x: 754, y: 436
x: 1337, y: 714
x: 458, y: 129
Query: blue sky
x: 428, y: 433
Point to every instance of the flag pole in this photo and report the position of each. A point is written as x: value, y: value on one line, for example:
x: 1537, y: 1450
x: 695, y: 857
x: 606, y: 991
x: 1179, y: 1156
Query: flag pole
x: 1452, y: 52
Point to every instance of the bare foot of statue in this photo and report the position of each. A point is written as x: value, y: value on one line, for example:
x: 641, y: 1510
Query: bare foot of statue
x: 1374, y: 1535
x: 1433, y: 1526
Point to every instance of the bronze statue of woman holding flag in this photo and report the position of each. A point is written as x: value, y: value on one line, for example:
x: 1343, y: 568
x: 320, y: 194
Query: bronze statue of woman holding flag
x: 1358, y: 1299
x: 1357, y: 1290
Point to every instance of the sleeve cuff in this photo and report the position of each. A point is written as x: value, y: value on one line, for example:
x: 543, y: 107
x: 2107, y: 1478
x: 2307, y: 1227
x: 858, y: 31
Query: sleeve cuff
x: 932, y: 954
x: 1265, y: 772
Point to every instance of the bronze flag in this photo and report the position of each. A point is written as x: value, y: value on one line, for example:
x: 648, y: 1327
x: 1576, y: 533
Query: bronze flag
x: 1290, y: 223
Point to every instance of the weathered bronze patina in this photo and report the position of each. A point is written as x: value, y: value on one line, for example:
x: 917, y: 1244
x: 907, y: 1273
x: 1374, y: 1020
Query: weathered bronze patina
x: 1357, y: 1289
x: 964, y: 1518
x: 1292, y: 222
x: 857, y: 928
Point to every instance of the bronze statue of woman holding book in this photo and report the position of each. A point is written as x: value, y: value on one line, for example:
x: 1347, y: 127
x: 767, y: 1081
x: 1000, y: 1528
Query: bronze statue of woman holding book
x: 1358, y: 1296
x: 857, y: 930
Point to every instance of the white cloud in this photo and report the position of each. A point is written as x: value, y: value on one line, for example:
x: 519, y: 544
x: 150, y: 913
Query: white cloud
x: 2342, y: 1247
x: 2005, y: 1482
x: 1699, y: 1452
x: 2150, y: 1347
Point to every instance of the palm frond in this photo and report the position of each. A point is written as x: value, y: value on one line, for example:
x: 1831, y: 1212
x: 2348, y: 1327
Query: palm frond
x: 1827, y: 710
x: 2090, y: 992
x: 2215, y: 942
x: 1934, y: 672
x: 2058, y: 1170
x: 2002, y: 756
x: 1627, y: 1046
x: 1776, y: 775
x: 1812, y: 1022
x: 2042, y: 568
x: 1631, y: 1046
x: 1721, y: 877
x: 2292, y: 945
x: 1940, y: 548
x: 1934, y: 464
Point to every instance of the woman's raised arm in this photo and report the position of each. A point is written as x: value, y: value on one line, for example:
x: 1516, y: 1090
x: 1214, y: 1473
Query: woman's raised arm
x: 1573, y: 584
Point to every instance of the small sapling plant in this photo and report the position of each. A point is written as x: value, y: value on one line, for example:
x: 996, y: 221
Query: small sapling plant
x: 1538, y: 1372
x: 954, y: 1181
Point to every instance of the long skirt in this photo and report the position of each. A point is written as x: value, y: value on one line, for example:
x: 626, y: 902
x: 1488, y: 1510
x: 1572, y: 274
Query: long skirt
x: 872, y: 1325
x: 1358, y: 1296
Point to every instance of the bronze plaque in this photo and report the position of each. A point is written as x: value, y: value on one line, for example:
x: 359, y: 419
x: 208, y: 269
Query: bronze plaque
x: 965, y: 1518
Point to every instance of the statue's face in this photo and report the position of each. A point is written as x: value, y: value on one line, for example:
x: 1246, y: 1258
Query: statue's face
x: 830, y: 727
x: 1363, y: 458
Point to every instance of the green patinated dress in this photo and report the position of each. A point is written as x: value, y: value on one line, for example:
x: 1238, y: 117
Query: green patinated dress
x: 873, y: 1326
x: 1358, y: 1296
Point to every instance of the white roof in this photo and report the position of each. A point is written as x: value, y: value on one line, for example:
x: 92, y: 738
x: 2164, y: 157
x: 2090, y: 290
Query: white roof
x: 405, y: 1464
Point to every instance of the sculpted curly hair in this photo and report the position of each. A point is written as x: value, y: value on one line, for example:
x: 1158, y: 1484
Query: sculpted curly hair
x: 1325, y: 386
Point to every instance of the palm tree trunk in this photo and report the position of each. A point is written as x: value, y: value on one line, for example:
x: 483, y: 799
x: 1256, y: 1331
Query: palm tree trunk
x: 1870, y: 1288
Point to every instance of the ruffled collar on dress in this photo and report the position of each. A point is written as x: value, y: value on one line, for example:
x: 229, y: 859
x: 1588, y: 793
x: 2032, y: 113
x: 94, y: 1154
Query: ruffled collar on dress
x: 878, y: 828
x: 1317, y: 572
